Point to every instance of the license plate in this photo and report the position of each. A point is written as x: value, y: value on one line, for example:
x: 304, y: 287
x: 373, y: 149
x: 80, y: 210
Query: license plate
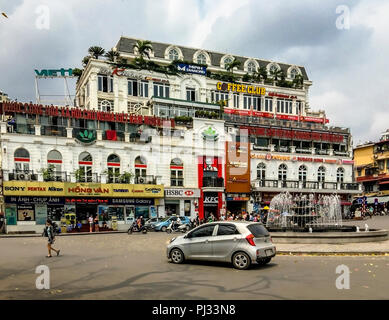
x: 269, y: 252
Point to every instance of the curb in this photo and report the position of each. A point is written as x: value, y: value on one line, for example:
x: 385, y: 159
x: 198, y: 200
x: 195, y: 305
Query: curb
x: 35, y: 235
x: 342, y: 253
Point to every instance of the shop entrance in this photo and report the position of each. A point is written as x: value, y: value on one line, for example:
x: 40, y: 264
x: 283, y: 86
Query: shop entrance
x: 172, y: 207
x: 236, y: 207
x: 208, y: 210
x: 83, y: 211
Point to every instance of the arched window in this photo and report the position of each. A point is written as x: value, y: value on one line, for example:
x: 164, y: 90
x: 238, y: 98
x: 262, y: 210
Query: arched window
x: 22, y: 160
x: 282, y: 172
x: 321, y: 174
x: 113, y: 165
x: 340, y: 175
x: 140, y: 169
x: 201, y: 59
x: 261, y: 171
x: 293, y: 73
x: 303, y: 173
x: 273, y: 68
x: 251, y: 67
x: 85, y: 162
x: 227, y: 61
x: 173, y: 54
x: 54, y: 162
x: 176, y: 173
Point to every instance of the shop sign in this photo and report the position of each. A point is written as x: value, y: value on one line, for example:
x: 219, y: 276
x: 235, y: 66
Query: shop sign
x: 210, y: 134
x: 280, y: 95
x: 53, y: 73
x: 29, y: 188
x: 85, y: 201
x: 348, y: 161
x: 189, y: 68
x: 211, y: 198
x: 36, y: 200
x: 86, y: 137
x: 293, y: 134
x: 131, y: 201
x: 234, y: 87
x: 182, y: 193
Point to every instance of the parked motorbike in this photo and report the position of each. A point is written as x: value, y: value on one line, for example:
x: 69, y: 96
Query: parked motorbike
x: 135, y: 228
x: 176, y: 227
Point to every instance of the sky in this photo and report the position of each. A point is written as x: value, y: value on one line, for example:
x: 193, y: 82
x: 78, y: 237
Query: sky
x: 342, y: 44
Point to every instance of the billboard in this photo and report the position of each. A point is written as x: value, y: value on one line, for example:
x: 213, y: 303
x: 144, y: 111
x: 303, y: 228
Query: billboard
x: 238, y: 167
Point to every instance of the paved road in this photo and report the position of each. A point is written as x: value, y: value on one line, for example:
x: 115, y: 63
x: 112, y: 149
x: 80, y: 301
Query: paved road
x: 135, y: 267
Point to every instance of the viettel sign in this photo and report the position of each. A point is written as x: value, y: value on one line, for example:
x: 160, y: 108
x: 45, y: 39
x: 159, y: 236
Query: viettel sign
x: 54, y: 72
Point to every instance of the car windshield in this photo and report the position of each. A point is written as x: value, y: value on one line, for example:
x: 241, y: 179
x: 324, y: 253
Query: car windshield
x: 258, y: 230
x: 165, y: 219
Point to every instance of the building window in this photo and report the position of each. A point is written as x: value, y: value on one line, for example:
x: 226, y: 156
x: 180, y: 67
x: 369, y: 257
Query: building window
x: 105, y: 105
x: 173, y: 54
x: 85, y: 163
x: 190, y: 94
x: 201, y: 59
x: 284, y: 106
x: 176, y: 173
x: 105, y: 83
x: 293, y: 73
x: 273, y: 68
x: 340, y: 175
x: 87, y: 89
x: 251, y: 67
x: 113, y: 168
x: 161, y: 90
x: 138, y: 88
x: 303, y: 173
x: 299, y: 107
x: 261, y: 171
x: 227, y: 61
x: 321, y: 174
x: 140, y: 169
x: 217, y: 96
x: 268, y: 104
x: 251, y: 102
x: 282, y: 172
x: 22, y: 160
x: 54, y: 161
x: 236, y: 100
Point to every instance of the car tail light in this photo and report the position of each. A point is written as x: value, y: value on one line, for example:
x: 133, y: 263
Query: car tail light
x: 250, y: 240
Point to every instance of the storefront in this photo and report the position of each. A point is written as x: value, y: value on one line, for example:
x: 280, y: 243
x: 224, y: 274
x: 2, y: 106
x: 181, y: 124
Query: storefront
x: 27, y: 204
x: 237, y: 202
x: 181, y: 201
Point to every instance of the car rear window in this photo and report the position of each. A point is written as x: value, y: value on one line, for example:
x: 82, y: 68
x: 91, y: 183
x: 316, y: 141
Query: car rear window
x: 226, y: 229
x: 258, y: 230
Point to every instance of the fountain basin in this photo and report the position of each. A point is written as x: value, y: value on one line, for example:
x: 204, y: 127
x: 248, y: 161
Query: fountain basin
x: 330, y: 237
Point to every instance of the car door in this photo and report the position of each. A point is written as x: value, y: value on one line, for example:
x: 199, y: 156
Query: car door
x: 225, y: 241
x: 198, y: 245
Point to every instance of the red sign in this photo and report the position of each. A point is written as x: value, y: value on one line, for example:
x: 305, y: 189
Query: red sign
x: 76, y: 113
x: 189, y: 192
x: 280, y: 95
x: 293, y: 134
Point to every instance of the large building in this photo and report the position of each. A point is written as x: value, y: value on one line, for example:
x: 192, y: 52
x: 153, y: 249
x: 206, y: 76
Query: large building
x: 181, y: 131
x: 372, y: 169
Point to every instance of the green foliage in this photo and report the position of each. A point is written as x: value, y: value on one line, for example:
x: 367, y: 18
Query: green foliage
x: 96, y: 51
x: 230, y: 66
x: 48, y: 173
x: 183, y: 119
x: 144, y: 48
x: 80, y: 174
x: 112, y: 55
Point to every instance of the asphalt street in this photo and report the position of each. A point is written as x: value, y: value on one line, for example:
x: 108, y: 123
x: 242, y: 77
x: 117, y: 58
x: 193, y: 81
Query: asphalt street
x: 119, y: 266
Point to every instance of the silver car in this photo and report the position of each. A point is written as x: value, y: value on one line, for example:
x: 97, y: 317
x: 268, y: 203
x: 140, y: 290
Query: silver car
x: 239, y: 242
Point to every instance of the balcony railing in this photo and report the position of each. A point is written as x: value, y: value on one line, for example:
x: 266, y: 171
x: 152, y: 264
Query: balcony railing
x: 21, y: 128
x: 60, y: 176
x: 92, y: 177
x: 22, y: 175
x: 145, y: 179
x: 53, y: 131
x: 315, y: 185
x: 213, y: 182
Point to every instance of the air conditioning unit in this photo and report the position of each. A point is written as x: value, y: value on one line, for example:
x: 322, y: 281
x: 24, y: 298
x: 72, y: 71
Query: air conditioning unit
x: 141, y: 180
x: 23, y: 176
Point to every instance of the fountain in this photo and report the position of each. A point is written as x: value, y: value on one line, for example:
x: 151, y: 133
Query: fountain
x: 308, y: 219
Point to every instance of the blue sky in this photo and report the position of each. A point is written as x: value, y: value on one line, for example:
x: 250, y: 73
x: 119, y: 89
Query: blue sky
x: 348, y: 67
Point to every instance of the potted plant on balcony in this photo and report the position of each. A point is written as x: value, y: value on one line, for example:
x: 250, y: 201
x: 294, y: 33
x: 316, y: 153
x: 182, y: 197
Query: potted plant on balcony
x: 126, y: 177
x: 80, y: 175
x: 48, y: 173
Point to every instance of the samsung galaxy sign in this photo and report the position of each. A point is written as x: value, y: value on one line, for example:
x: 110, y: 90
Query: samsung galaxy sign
x: 189, y: 68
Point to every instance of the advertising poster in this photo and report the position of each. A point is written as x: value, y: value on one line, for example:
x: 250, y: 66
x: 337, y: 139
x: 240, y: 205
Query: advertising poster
x: 102, y: 211
x: 10, y: 215
x: 26, y: 212
x: 153, y: 212
x: 40, y: 213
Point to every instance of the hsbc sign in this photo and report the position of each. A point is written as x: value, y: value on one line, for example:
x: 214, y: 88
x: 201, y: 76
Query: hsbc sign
x: 182, y: 193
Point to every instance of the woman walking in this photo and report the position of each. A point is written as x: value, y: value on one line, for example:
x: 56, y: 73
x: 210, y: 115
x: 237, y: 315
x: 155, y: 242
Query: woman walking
x: 50, y: 234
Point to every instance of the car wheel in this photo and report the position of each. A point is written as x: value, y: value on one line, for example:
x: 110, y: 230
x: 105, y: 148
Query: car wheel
x: 163, y: 229
x: 241, y: 261
x: 177, y: 256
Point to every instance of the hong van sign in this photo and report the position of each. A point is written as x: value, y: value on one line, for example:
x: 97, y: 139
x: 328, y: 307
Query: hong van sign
x: 54, y: 73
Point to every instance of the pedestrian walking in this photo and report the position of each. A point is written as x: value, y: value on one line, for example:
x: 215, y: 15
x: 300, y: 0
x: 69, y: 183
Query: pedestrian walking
x: 96, y: 223
x: 49, y: 232
x: 90, y: 223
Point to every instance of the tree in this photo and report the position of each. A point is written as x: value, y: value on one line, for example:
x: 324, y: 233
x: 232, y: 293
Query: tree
x: 298, y: 81
x: 112, y: 55
x: 85, y: 61
x: 230, y: 66
x: 262, y: 73
x: 276, y: 74
x: 144, y: 47
x: 96, y: 51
